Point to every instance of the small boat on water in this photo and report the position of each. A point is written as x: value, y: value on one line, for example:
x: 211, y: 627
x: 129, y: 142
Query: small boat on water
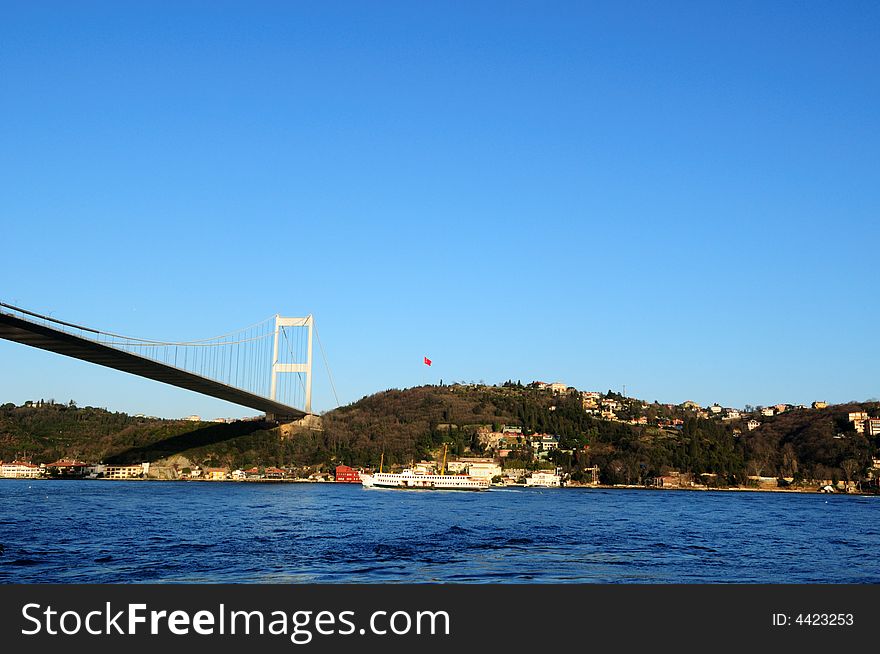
x: 409, y: 479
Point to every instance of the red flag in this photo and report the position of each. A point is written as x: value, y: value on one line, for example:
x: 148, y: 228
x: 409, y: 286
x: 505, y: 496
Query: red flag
x: 427, y: 361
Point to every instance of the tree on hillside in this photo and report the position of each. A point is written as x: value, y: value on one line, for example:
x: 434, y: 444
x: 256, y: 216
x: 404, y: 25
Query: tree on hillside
x: 851, y: 469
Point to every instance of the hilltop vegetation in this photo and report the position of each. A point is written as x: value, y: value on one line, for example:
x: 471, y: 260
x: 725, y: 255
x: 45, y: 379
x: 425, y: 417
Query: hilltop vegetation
x: 643, y: 442
x: 46, y: 431
x: 798, y: 444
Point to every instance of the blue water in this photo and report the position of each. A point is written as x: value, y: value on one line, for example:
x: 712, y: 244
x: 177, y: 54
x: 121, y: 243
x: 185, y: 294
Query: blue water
x: 104, y: 532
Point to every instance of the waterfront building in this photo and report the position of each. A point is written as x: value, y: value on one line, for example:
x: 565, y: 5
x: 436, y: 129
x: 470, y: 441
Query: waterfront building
x: 238, y: 475
x: 95, y: 470
x: 275, y: 473
x: 20, y: 470
x: 347, y: 475
x: 484, y: 470
x: 135, y: 471
x: 66, y: 468
x: 216, y: 474
x: 539, y: 478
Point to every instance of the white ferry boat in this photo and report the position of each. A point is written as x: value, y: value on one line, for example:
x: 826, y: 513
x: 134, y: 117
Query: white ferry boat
x: 409, y: 479
x: 412, y: 480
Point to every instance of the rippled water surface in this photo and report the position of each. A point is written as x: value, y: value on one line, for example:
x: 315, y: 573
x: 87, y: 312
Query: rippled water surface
x: 105, y: 531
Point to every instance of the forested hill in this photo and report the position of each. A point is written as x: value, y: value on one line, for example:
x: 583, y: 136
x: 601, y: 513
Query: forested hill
x: 798, y: 443
x: 633, y: 443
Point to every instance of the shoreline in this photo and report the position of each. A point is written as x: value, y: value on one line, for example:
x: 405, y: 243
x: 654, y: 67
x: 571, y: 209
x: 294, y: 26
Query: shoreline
x: 729, y: 489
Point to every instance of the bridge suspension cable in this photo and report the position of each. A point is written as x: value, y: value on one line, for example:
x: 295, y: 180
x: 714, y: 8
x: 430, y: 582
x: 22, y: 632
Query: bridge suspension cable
x: 248, y: 358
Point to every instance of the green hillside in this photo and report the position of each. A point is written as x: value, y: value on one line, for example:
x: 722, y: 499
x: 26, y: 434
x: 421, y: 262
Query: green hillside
x: 414, y: 423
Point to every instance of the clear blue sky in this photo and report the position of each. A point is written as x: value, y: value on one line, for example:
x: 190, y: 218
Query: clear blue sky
x: 679, y: 197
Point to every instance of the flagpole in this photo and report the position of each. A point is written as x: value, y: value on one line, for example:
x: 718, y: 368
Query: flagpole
x: 427, y: 378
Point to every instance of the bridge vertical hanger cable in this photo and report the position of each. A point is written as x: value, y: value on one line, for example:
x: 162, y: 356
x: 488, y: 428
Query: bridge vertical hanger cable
x: 327, y: 366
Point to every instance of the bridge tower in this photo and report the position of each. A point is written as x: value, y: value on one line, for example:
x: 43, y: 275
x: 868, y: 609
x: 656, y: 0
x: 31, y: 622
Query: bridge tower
x: 307, y: 322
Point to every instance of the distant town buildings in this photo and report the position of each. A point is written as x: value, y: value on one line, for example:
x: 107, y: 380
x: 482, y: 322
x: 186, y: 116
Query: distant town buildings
x: 216, y: 474
x: 544, y: 442
x: 275, y: 473
x: 135, y: 471
x: 545, y: 479
x: 66, y: 468
x: 487, y: 470
x: 858, y: 420
x: 20, y: 470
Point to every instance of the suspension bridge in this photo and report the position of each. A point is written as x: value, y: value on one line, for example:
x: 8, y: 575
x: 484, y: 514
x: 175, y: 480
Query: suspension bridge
x: 266, y: 366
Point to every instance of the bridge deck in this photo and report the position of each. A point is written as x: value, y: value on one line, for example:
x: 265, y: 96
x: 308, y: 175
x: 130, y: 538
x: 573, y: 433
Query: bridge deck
x: 46, y: 338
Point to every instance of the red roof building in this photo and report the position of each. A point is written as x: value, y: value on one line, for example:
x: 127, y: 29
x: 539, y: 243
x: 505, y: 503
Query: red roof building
x: 274, y: 473
x: 347, y: 475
